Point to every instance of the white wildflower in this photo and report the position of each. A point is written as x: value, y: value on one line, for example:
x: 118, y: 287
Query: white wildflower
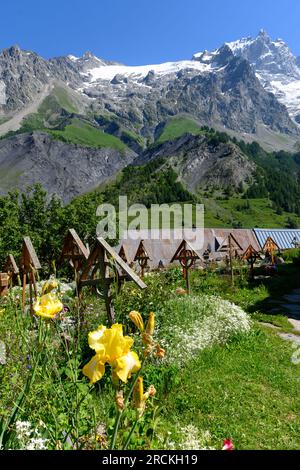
x: 23, y: 429
x: 36, y: 443
x: 189, y: 438
x: 212, y: 320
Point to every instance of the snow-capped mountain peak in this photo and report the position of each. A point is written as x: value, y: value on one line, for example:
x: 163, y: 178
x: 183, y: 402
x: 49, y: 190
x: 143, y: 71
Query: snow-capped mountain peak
x: 266, y: 55
x: 276, y: 67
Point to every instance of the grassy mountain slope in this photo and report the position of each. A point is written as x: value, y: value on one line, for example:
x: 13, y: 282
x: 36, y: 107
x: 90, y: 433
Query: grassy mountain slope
x: 178, y: 126
x: 82, y: 133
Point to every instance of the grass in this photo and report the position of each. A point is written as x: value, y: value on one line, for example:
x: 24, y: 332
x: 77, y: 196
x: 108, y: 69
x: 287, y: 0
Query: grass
x: 82, y: 133
x: 246, y: 389
x: 237, y: 212
x: 64, y: 99
x: 177, y: 127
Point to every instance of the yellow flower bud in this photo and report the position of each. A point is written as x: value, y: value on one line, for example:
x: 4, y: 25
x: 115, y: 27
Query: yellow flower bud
x: 160, y: 352
x: 138, y: 392
x: 49, y: 286
x: 151, y: 391
x: 139, y: 397
x: 137, y: 319
x: 150, y: 324
x: 120, y: 400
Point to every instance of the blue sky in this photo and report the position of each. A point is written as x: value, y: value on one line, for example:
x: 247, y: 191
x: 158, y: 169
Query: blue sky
x: 142, y: 31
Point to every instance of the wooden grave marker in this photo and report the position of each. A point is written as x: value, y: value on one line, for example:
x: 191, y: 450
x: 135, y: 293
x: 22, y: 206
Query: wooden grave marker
x: 74, y: 250
x: 270, y: 247
x: 11, y: 268
x: 4, y: 284
x: 29, y: 266
x: 142, y: 257
x: 231, y: 246
x: 101, y: 269
x: 250, y: 255
x: 186, y: 255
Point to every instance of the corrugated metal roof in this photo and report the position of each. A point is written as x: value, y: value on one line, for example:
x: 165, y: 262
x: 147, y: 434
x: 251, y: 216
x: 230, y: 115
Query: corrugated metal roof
x: 283, y: 237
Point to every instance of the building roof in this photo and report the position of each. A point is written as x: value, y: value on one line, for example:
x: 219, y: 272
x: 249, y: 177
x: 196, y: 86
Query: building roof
x: 161, y: 245
x: 282, y: 237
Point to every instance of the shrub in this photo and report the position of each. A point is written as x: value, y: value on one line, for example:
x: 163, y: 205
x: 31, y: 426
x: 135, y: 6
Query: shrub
x: 201, y: 322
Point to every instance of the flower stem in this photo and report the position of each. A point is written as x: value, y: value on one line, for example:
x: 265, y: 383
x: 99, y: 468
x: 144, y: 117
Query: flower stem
x: 130, y: 434
x: 116, y: 428
x: 119, y: 415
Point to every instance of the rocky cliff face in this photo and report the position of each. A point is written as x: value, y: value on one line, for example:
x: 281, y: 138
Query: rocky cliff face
x: 201, y: 162
x: 64, y: 169
x: 275, y: 66
x: 218, y: 88
x: 250, y: 87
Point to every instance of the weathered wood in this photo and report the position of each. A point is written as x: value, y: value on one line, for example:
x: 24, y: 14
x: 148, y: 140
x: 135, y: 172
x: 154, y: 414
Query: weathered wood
x: 224, y: 247
x: 10, y: 266
x: 29, y: 265
x: 123, y: 255
x: 251, y: 255
x: 98, y: 261
x: 130, y: 273
x: 4, y: 283
x: 230, y: 259
x: 74, y: 250
x: 187, y: 256
x: 270, y: 247
x: 142, y: 257
x: 29, y: 257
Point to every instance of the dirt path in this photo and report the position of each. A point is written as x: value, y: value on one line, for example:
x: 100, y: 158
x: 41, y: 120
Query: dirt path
x: 291, y: 304
x: 15, y: 122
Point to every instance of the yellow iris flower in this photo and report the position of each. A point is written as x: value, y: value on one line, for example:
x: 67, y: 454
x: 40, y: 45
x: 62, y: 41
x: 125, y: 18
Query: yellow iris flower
x: 126, y: 365
x: 113, y: 348
x: 47, y: 306
x: 94, y: 369
x: 94, y: 339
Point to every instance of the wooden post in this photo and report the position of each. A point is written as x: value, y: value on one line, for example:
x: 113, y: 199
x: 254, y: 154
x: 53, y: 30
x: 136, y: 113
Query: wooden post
x: 4, y: 284
x: 230, y: 261
x: 107, y: 293
x: 29, y: 264
x: 24, y: 291
x: 142, y: 257
x: 99, y: 261
x: 186, y: 255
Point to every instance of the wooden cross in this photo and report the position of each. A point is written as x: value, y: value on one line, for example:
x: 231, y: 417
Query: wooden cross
x: 11, y: 268
x: 250, y: 256
x: 142, y: 257
x: 29, y: 266
x: 74, y: 250
x: 4, y: 283
x: 103, y: 266
x: 269, y: 247
x: 122, y: 253
x: 230, y: 246
x: 186, y: 255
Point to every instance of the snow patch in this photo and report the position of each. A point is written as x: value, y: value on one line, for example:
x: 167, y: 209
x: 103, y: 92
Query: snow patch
x: 288, y: 93
x: 108, y: 72
x: 73, y: 58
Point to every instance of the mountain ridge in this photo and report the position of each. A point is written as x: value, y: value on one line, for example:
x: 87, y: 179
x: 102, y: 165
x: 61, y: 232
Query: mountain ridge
x: 247, y: 88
